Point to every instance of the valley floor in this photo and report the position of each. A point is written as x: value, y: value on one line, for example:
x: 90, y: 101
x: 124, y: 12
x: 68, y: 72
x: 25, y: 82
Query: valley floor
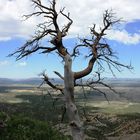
x: 117, y: 119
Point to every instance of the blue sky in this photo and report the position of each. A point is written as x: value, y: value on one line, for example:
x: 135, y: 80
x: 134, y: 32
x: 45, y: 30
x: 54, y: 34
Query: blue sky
x: 13, y: 33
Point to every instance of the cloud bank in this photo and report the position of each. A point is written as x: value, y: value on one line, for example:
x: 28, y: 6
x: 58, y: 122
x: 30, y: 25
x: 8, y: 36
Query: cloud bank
x: 84, y: 13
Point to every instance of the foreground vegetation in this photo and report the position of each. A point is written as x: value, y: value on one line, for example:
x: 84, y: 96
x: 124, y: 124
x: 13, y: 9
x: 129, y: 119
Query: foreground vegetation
x: 24, y: 128
x: 27, y: 114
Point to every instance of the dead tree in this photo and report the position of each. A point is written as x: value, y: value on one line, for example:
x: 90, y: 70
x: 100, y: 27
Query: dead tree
x: 99, y: 50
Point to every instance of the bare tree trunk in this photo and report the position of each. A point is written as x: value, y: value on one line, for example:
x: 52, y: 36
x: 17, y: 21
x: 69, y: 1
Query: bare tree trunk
x: 74, y: 119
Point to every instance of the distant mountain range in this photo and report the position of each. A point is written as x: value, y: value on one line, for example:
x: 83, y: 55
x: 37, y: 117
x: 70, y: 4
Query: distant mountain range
x: 30, y: 81
x: 7, y: 81
x: 38, y: 81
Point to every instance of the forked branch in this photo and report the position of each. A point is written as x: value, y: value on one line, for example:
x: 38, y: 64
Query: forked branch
x: 99, y: 49
x: 50, y: 28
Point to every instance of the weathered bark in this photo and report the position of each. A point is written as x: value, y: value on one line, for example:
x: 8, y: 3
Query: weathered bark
x: 72, y: 112
x: 86, y: 71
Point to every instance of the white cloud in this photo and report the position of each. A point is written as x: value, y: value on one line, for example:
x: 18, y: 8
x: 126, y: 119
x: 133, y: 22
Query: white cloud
x: 7, y: 63
x: 23, y: 64
x: 5, y: 38
x: 123, y: 36
x: 11, y: 24
x: 84, y: 13
x: 4, y: 63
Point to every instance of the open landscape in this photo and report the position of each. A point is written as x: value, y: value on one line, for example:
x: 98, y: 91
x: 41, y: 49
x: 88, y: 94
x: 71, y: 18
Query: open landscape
x: 118, y: 118
x: 69, y: 70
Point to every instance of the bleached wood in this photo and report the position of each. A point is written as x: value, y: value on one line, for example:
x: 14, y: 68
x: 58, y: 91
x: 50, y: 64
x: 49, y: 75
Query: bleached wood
x: 72, y: 111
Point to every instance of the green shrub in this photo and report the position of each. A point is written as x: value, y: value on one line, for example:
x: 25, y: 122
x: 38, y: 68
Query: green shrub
x: 21, y: 128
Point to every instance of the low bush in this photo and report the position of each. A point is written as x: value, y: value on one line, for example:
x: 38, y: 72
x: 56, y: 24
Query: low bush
x: 21, y: 128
